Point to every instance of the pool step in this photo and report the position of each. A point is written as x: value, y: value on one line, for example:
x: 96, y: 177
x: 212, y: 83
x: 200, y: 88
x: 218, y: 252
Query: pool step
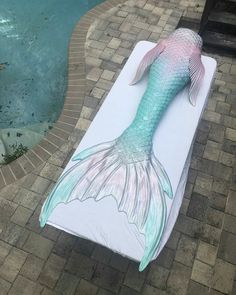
x: 219, y: 31
x: 2, y: 151
x: 222, y: 22
x: 218, y: 42
x: 11, y: 138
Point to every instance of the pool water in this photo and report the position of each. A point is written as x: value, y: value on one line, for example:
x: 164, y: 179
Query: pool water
x: 34, y: 37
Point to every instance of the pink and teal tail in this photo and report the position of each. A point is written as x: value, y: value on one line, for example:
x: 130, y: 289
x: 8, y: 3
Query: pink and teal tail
x: 126, y: 168
x: 139, y: 188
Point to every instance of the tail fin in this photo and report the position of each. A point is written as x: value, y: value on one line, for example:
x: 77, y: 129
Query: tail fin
x: 78, y: 176
x: 147, y: 61
x: 139, y: 189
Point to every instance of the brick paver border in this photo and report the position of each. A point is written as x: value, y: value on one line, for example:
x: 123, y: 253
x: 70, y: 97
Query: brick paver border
x: 73, y: 104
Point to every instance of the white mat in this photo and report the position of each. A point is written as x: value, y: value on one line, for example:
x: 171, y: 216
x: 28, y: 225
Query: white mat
x: 100, y: 221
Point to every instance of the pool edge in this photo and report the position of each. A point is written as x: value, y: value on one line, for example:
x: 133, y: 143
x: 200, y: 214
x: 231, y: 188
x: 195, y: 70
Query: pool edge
x: 70, y: 114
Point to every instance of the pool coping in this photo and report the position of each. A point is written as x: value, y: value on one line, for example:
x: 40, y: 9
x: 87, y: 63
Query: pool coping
x: 76, y: 90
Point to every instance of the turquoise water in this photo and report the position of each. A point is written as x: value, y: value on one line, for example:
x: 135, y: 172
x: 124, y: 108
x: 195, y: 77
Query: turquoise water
x: 34, y: 36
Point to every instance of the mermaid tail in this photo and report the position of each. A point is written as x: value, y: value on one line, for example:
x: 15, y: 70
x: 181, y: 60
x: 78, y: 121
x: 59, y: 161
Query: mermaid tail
x: 127, y: 168
x: 139, y: 189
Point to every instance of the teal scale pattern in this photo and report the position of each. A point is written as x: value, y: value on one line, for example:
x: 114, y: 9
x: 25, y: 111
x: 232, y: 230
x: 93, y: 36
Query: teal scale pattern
x: 135, y: 144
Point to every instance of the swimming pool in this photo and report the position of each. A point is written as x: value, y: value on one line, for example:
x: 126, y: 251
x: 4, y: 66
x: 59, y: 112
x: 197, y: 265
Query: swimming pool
x: 34, y: 38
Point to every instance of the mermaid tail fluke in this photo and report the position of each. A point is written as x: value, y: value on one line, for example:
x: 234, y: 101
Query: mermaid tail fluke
x: 77, y: 176
x: 155, y: 220
x: 139, y: 189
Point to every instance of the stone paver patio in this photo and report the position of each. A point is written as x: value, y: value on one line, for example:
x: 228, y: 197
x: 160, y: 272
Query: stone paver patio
x: 200, y: 256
